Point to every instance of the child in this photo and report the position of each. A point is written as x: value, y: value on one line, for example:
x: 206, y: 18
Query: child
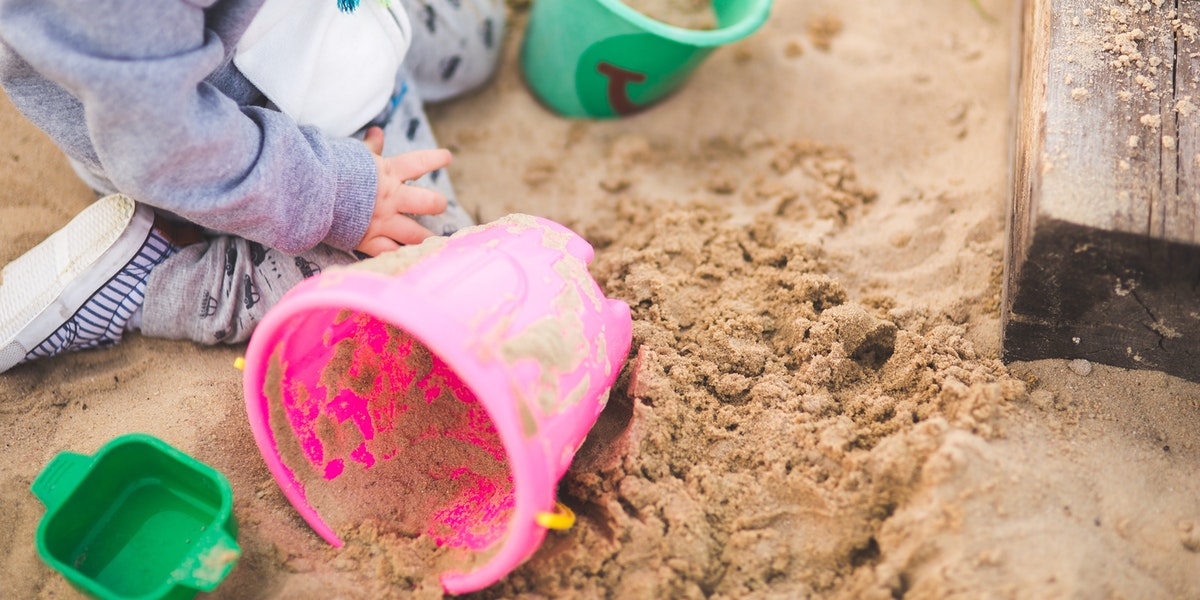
x: 239, y: 146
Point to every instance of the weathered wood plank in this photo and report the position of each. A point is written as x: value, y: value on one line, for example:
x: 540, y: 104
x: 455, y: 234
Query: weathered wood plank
x: 1103, y: 253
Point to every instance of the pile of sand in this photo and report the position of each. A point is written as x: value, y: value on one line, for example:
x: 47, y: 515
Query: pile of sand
x: 774, y: 425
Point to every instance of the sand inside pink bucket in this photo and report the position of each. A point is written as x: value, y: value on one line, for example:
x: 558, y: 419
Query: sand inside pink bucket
x: 392, y: 445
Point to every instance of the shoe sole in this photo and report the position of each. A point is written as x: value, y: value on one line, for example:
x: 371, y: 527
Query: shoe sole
x: 46, y: 286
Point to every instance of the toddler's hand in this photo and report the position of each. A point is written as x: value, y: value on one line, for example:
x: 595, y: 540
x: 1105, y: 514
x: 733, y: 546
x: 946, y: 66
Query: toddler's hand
x: 389, y: 227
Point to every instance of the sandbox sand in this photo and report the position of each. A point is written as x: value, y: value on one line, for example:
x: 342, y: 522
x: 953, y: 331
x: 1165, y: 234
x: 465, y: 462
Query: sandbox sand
x: 810, y: 234
x: 689, y: 14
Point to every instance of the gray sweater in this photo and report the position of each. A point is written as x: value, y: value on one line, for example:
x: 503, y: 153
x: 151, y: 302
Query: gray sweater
x: 143, y: 95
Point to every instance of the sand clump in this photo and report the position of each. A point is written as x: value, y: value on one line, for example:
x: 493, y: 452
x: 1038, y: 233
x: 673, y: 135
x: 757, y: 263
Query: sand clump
x: 822, y: 29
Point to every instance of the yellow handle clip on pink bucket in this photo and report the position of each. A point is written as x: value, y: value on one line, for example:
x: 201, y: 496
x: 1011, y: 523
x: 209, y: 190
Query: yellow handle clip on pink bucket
x: 445, y: 398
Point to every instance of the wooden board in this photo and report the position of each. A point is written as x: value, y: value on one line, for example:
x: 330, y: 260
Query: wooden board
x: 1103, y: 251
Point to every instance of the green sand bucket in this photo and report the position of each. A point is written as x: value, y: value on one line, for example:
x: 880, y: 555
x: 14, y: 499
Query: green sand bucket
x: 601, y: 58
x: 139, y: 519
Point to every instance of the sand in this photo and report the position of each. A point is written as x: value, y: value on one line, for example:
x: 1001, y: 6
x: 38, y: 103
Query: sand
x: 810, y: 234
x: 688, y: 14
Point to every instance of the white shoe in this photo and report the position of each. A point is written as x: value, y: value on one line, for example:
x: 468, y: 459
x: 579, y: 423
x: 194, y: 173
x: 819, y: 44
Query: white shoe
x: 79, y: 287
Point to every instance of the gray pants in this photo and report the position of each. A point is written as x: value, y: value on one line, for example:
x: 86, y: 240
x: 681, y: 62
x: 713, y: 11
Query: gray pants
x: 218, y: 289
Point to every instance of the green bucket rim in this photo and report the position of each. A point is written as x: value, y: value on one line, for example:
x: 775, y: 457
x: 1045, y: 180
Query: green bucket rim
x: 706, y: 38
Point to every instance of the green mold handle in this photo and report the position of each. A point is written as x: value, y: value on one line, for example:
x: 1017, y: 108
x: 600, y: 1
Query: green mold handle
x: 215, y: 555
x: 60, y: 477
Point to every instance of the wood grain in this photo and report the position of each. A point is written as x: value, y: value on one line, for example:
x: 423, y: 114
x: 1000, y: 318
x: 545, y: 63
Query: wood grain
x: 1103, y: 253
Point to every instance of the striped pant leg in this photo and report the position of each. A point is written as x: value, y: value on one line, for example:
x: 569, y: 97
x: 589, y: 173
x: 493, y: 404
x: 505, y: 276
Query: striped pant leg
x: 101, y: 320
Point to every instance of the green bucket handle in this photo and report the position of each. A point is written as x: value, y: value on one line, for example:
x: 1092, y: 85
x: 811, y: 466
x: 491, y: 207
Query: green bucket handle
x: 60, y: 477
x: 736, y: 19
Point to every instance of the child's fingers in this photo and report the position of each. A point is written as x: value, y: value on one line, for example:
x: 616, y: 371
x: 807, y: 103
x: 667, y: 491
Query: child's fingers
x: 412, y: 165
x: 374, y: 246
x: 374, y: 140
x: 391, y: 233
x: 402, y: 230
x: 417, y: 200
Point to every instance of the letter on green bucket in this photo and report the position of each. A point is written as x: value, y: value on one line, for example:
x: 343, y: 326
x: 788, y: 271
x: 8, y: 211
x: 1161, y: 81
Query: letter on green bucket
x: 618, y: 76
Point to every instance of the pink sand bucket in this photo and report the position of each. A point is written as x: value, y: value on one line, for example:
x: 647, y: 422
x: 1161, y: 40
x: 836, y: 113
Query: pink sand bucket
x: 445, y: 398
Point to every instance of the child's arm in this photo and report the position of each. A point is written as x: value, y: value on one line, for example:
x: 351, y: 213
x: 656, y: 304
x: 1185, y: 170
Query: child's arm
x: 121, y: 86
